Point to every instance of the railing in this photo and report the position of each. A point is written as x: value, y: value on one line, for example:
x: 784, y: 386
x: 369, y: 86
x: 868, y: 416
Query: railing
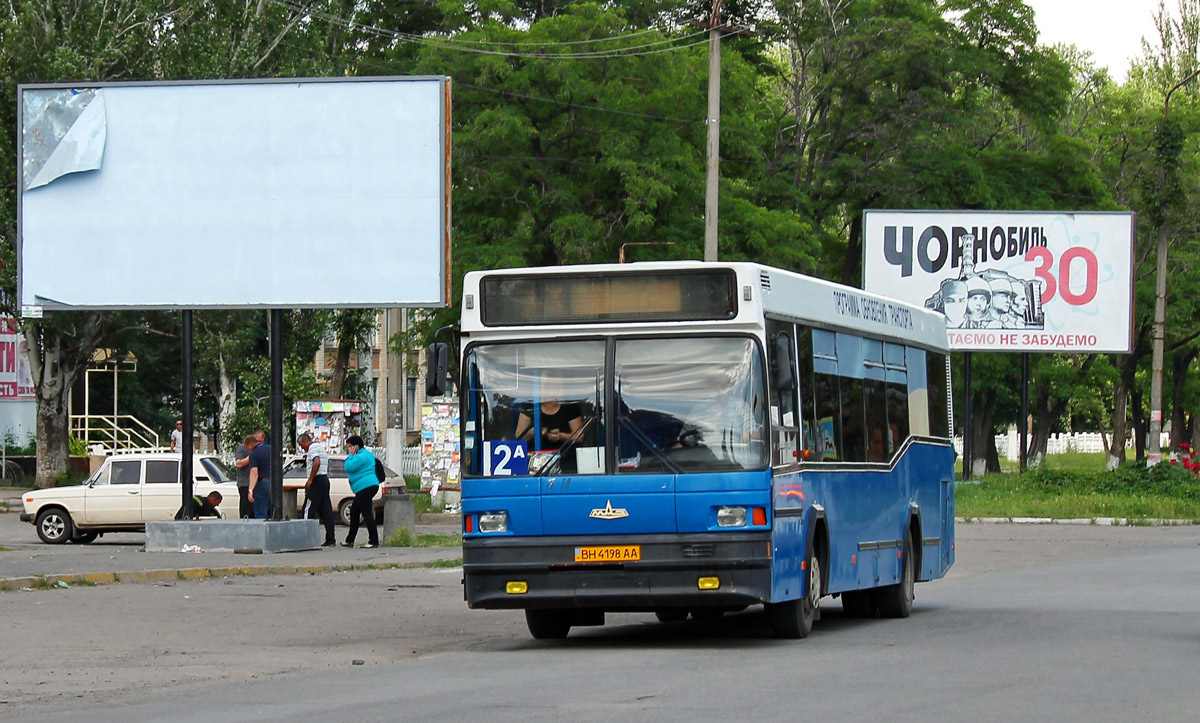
x: 1007, y: 445
x: 113, y: 433
x: 410, y: 460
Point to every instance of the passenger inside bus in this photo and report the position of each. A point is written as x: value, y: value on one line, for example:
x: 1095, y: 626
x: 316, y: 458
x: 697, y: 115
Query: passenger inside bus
x: 560, y: 422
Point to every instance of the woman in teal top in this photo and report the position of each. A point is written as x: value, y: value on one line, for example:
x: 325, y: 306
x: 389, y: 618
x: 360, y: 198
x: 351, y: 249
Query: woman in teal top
x: 360, y: 468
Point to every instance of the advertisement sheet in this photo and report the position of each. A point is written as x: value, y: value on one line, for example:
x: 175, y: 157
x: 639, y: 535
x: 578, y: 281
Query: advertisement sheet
x: 16, y: 379
x: 1019, y: 281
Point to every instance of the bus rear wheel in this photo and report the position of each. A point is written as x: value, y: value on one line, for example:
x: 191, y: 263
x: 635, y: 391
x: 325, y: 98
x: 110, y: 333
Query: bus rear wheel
x: 794, y: 618
x: 548, y: 624
x: 895, y: 601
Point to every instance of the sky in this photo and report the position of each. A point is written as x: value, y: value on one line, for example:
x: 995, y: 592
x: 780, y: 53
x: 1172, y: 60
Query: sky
x: 1111, y: 29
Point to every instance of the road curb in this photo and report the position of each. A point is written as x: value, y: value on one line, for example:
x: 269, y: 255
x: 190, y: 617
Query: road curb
x: 1098, y: 521
x: 47, y: 582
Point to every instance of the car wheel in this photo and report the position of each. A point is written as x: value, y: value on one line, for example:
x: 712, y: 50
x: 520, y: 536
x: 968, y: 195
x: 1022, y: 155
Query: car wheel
x: 707, y: 614
x: 84, y: 538
x: 548, y: 624
x: 54, y: 526
x: 344, y: 511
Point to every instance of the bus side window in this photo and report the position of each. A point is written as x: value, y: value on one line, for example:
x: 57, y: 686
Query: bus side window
x: 784, y: 412
x: 851, y: 401
x: 827, y: 419
x: 937, y: 375
x: 897, y: 396
x: 804, y: 360
x: 878, y: 440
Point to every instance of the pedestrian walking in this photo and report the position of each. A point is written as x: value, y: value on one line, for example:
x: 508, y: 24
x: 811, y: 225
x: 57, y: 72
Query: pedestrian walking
x: 260, y: 480
x: 241, y: 460
x: 360, y: 468
x: 316, y: 489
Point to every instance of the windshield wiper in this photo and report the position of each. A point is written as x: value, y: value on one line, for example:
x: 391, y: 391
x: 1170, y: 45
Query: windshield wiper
x: 555, y: 463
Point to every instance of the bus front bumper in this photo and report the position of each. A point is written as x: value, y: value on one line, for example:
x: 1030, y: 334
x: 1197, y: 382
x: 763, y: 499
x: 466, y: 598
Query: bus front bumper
x: 668, y: 573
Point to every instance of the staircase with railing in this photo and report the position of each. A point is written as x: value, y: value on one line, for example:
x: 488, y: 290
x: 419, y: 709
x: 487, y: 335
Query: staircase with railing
x: 113, y: 433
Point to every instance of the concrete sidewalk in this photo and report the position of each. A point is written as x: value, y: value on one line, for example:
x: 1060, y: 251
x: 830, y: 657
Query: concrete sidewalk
x: 26, y: 562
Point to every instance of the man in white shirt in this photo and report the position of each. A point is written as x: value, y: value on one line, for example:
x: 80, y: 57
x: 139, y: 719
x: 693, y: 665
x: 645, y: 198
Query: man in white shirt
x: 177, y: 436
x: 316, y: 489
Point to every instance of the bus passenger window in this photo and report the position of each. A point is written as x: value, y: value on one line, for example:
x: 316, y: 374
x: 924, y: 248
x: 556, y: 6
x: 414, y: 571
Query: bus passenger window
x: 827, y: 419
x: 784, y: 417
x: 875, y: 402
x: 937, y: 376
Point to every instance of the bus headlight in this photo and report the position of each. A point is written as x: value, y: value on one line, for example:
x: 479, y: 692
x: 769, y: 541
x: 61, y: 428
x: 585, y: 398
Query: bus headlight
x: 494, y: 522
x: 731, y: 517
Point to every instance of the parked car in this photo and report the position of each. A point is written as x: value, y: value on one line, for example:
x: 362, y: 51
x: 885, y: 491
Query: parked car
x: 123, y: 494
x: 295, y: 473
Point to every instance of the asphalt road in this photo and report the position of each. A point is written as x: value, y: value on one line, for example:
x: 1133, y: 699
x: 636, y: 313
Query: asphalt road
x: 1071, y: 623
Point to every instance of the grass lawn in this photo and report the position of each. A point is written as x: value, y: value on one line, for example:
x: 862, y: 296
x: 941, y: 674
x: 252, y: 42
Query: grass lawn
x: 1077, y: 486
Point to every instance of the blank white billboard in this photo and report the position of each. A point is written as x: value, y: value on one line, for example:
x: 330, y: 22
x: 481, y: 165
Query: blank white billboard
x: 1009, y: 280
x: 236, y: 194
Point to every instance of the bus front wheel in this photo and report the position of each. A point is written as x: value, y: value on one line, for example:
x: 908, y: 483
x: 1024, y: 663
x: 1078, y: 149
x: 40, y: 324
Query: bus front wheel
x: 794, y: 618
x: 548, y: 624
x: 895, y: 601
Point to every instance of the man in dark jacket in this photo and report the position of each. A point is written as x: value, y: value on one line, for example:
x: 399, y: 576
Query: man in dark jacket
x: 203, y: 506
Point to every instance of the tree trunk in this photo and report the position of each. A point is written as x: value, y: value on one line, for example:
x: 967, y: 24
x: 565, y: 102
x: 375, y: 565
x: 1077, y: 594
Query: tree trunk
x: 1180, y: 361
x: 56, y: 357
x: 226, y: 404
x: 1120, y: 424
x: 341, y: 364
x: 1140, y: 424
x: 983, y: 448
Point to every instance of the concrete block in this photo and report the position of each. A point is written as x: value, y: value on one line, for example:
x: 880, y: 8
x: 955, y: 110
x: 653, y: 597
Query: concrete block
x: 233, y: 535
x: 398, y: 511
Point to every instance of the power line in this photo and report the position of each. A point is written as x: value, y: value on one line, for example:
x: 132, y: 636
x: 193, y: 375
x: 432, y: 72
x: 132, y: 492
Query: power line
x: 671, y: 44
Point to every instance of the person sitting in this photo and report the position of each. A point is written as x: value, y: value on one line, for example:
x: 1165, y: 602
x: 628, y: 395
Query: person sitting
x: 203, y: 506
x: 560, y: 421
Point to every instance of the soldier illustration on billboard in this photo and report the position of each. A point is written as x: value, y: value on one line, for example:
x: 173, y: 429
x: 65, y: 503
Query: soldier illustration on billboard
x: 987, y: 299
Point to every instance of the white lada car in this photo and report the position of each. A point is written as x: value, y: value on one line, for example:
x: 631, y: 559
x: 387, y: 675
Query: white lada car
x: 126, y: 492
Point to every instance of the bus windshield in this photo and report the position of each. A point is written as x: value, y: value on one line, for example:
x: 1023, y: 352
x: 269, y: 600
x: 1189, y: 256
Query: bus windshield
x: 681, y: 404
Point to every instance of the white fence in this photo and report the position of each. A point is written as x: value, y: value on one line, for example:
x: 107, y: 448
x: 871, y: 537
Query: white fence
x: 1009, y: 445
x: 410, y: 460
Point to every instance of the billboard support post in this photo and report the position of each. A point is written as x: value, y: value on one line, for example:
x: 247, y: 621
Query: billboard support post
x: 967, y: 461
x: 185, y: 444
x: 276, y: 414
x: 1024, y: 424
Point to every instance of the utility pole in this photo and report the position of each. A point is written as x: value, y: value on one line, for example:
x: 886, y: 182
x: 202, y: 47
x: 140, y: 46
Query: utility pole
x: 1164, y: 144
x: 712, y: 170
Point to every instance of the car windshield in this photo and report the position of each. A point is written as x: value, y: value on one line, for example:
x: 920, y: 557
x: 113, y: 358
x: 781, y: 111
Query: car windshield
x: 682, y: 404
x: 216, y: 469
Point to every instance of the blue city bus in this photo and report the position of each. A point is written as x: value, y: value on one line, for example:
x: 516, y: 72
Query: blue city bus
x: 690, y: 438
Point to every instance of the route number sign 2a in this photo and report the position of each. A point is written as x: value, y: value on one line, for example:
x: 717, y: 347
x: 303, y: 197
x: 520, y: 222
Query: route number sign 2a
x: 505, y: 458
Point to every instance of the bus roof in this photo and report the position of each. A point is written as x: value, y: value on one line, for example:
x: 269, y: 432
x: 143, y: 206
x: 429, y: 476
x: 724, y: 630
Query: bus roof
x: 760, y: 290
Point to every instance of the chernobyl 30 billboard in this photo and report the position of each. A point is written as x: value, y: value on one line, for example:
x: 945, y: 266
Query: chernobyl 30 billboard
x: 1018, y: 281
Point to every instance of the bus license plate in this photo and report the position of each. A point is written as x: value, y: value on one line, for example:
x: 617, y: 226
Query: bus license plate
x: 609, y: 553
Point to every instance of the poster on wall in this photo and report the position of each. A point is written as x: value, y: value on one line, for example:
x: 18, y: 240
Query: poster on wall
x: 440, y: 446
x: 16, y: 376
x: 1018, y: 281
x: 328, y: 421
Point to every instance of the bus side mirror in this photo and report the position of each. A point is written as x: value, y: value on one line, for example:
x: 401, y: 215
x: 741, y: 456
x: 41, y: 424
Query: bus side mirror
x: 782, y: 369
x: 436, y: 361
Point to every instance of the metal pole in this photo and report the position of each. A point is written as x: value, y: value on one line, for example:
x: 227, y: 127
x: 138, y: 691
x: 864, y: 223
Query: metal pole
x: 1154, y: 453
x: 185, y: 452
x: 1024, y: 410
x: 276, y: 414
x: 967, y: 416
x: 712, y: 166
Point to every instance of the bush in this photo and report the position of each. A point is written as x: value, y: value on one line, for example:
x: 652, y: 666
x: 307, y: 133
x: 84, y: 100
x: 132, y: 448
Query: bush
x: 401, y: 537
